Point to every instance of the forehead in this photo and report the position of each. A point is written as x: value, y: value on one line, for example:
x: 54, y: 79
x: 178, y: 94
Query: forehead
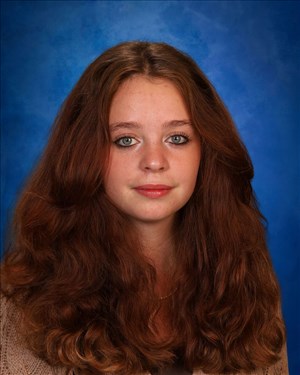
x: 141, y: 96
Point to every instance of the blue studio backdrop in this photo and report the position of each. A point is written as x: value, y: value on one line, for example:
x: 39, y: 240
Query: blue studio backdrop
x: 248, y: 49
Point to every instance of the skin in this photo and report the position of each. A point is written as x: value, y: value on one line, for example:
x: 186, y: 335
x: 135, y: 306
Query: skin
x: 149, y: 147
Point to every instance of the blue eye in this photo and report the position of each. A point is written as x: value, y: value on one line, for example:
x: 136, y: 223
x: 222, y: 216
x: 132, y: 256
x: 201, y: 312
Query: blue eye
x: 178, y: 139
x: 125, y: 142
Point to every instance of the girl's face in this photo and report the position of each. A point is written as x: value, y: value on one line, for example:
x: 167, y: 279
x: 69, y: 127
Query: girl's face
x: 155, y: 152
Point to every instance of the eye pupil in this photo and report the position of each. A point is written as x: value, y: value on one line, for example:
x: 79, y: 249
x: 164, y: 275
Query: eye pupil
x: 126, y: 141
x: 176, y: 138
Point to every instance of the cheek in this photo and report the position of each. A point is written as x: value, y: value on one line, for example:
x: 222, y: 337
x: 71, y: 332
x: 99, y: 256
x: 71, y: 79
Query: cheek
x: 110, y: 178
x: 192, y: 178
x: 190, y: 167
x: 117, y: 172
x: 196, y: 166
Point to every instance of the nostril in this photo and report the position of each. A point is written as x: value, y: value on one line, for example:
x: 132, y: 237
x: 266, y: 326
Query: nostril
x: 153, y: 160
x: 154, y: 167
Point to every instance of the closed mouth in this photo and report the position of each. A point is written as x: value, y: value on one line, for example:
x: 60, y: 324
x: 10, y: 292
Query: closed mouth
x: 153, y: 187
x: 153, y: 191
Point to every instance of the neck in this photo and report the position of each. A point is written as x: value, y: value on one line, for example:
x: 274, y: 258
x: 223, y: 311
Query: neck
x: 158, y: 247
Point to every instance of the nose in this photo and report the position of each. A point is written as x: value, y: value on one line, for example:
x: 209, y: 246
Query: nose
x: 154, y: 158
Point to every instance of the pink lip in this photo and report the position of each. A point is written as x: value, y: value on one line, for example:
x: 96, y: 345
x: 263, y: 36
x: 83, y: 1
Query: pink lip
x: 153, y: 190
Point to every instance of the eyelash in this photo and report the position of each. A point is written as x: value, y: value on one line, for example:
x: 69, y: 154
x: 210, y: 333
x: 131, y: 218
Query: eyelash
x: 123, y: 137
x: 187, y: 140
x: 184, y: 135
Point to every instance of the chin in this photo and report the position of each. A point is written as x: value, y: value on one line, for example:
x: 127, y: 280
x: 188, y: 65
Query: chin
x: 152, y: 219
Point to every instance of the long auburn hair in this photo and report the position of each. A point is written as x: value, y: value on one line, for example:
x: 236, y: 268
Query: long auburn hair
x: 75, y: 268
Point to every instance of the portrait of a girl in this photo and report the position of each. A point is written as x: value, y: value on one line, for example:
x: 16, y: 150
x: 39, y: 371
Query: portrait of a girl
x: 137, y: 245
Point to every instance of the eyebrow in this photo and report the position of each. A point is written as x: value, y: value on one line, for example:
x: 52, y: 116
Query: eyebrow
x: 135, y: 125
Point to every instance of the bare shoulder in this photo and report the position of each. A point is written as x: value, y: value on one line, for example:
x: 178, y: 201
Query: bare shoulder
x: 15, y: 357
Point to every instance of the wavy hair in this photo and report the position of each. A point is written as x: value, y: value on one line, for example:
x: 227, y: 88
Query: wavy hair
x: 75, y: 266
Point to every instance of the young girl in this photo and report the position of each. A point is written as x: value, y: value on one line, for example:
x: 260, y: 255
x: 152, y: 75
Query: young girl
x: 138, y: 246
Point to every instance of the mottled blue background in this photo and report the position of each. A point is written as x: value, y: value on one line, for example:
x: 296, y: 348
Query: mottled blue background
x: 248, y: 49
